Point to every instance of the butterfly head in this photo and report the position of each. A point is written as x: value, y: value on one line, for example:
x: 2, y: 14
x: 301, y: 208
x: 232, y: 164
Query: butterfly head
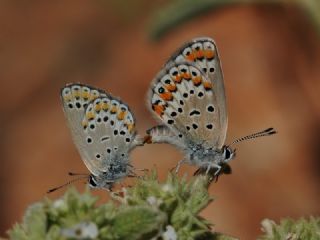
x: 221, y: 159
x: 106, y: 179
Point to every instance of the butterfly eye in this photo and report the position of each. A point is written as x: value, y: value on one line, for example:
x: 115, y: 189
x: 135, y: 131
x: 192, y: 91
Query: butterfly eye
x: 92, y: 182
x: 227, y: 153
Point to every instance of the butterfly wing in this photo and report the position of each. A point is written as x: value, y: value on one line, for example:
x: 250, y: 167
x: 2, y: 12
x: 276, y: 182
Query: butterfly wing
x: 188, y: 95
x: 102, y: 127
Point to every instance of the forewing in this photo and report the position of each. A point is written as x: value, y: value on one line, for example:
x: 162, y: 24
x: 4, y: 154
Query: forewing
x: 204, y: 54
x: 183, y: 98
x: 102, y: 127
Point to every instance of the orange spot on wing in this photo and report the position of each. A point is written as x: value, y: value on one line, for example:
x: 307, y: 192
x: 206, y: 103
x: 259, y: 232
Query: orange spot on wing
x: 67, y: 98
x: 207, y: 85
x: 190, y: 57
x: 114, y: 109
x: 85, y: 94
x: 209, y: 54
x: 97, y: 107
x: 200, y: 54
x: 76, y: 93
x: 121, y: 115
x: 130, y: 126
x: 84, y: 123
x: 105, y: 106
x: 196, y: 80
x: 186, y: 76
x: 159, y: 109
x: 93, y: 95
x: 90, y: 115
x: 171, y: 87
x: 177, y: 78
x: 166, y: 96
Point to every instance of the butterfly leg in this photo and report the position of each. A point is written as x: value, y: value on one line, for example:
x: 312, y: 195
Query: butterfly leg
x: 177, y: 167
x: 142, y: 169
x: 132, y: 174
x: 138, y: 169
x: 218, y: 170
x: 213, y: 165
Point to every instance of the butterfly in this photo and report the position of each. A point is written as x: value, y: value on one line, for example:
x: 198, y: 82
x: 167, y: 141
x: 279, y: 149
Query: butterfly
x: 188, y: 97
x: 103, y: 131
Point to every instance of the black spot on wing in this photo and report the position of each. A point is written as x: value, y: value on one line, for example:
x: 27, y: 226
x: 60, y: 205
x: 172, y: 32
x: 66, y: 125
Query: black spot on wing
x: 209, y: 126
x: 194, y: 112
x: 210, y: 108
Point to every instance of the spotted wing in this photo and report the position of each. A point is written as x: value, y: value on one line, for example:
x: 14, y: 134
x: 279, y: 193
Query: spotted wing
x: 102, y: 126
x: 188, y: 94
x: 182, y: 97
x: 204, y: 53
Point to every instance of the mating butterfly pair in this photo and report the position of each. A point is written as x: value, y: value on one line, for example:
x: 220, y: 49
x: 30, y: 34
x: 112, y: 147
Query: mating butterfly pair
x: 187, y: 96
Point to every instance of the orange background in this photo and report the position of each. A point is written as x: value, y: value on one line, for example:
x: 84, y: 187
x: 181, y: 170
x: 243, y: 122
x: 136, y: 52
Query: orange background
x: 271, y: 59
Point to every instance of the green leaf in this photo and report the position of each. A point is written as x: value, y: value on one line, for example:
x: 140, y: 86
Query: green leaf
x: 138, y: 223
x: 146, y: 210
x: 33, y: 225
x: 301, y: 229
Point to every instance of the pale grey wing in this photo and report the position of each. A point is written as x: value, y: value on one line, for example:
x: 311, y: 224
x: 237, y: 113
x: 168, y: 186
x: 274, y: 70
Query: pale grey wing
x: 182, y: 97
x: 75, y: 99
x: 204, y: 54
x: 102, y: 127
x: 111, y: 129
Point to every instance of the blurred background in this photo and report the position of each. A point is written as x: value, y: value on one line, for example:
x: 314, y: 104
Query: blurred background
x: 271, y: 56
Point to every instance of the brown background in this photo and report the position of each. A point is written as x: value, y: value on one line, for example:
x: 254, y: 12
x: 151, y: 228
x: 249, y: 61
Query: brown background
x: 271, y: 59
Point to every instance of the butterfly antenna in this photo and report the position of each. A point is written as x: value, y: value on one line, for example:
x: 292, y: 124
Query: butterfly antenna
x: 266, y: 132
x: 77, y: 174
x: 66, y: 184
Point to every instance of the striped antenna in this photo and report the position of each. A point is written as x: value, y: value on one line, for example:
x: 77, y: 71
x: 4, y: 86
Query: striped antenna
x: 266, y: 132
x: 66, y: 184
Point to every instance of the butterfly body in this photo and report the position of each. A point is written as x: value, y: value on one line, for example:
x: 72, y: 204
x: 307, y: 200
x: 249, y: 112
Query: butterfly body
x: 206, y: 157
x: 103, y: 131
x: 195, y: 152
x: 188, y: 97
